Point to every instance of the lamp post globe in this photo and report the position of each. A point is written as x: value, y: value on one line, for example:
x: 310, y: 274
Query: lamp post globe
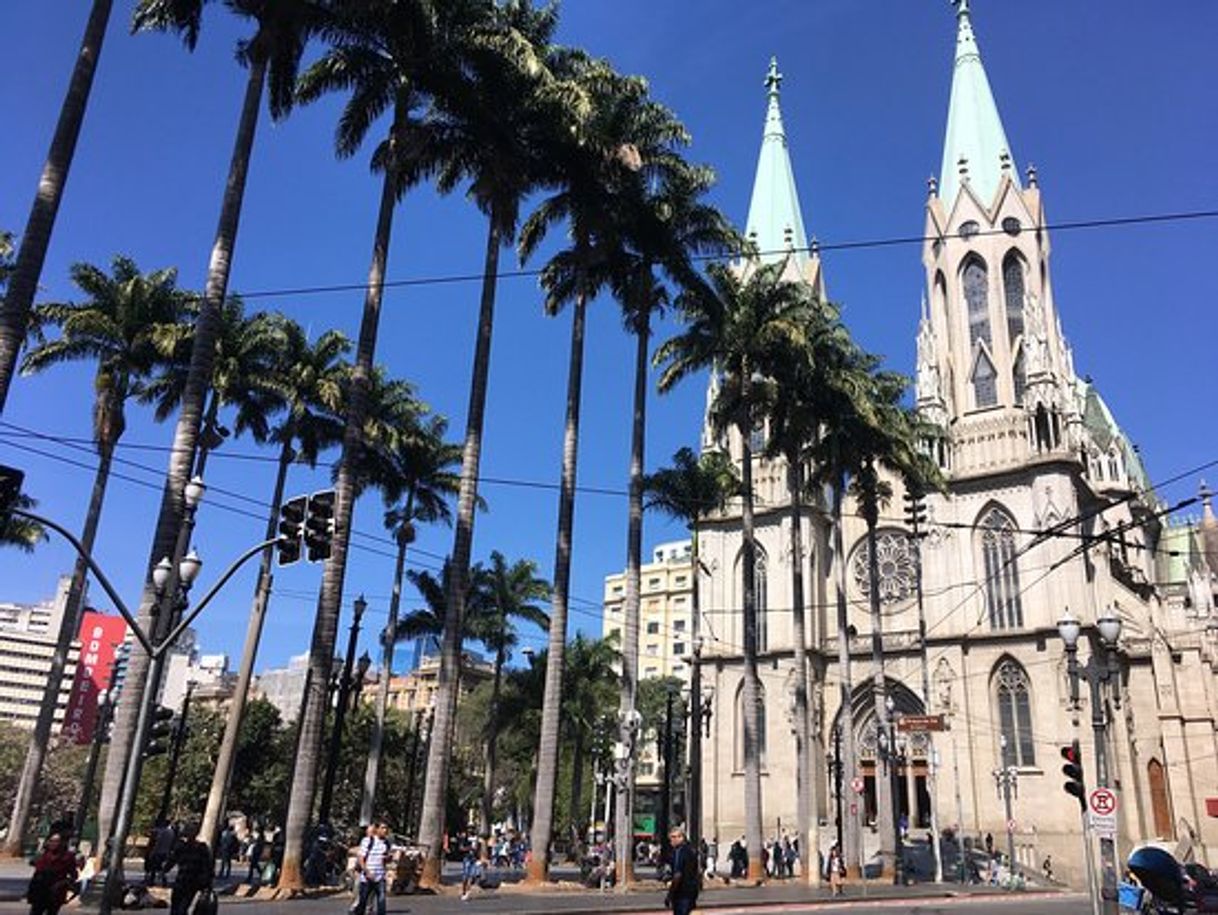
x: 1109, y: 625
x: 160, y: 574
x: 193, y: 493
x: 1069, y: 629
x: 189, y: 568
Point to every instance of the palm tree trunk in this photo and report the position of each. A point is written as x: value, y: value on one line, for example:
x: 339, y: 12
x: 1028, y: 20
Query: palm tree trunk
x: 435, y: 786
x: 491, y: 751
x: 23, y: 283
x: 806, y: 819
x: 885, y: 815
x: 623, y: 823
x: 547, y: 762
x: 221, y: 780
x: 330, y: 597
x: 69, y: 625
x: 753, y: 828
x: 845, y: 716
x: 376, y: 742
x: 186, y: 435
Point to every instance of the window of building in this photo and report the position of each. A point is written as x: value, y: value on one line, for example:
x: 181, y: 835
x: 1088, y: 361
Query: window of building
x: 757, y: 438
x: 1001, y: 571
x: 740, y: 725
x: 976, y: 294
x: 1013, y: 288
x: 617, y: 589
x: 985, y: 382
x: 762, y: 590
x: 679, y: 580
x: 678, y: 625
x: 678, y: 601
x: 615, y: 632
x: 653, y: 628
x: 1019, y: 377
x: 1011, y: 693
x: 653, y: 582
x: 653, y: 650
x: 650, y: 671
x: 646, y: 768
x: 678, y: 648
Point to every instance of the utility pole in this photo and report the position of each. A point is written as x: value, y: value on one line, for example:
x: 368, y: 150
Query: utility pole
x: 666, y: 785
x: 915, y: 505
x: 1006, y: 778
x: 340, y: 714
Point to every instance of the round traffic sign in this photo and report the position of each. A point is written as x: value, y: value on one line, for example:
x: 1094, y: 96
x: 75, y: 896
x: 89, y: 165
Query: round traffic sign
x: 857, y: 785
x: 1012, y: 826
x: 1102, y: 802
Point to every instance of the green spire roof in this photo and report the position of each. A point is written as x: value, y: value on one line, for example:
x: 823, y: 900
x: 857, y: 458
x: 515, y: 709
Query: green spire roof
x: 974, y: 128
x: 775, y: 221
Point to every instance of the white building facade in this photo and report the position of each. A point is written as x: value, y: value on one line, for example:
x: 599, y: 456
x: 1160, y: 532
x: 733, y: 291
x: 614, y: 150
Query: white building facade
x: 1047, y: 508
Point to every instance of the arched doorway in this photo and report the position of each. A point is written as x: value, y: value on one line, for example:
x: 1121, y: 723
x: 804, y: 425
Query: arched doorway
x: 913, y: 798
x: 1160, y: 800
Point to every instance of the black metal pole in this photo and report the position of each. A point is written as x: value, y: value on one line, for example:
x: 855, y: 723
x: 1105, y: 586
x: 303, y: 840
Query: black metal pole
x: 340, y: 713
x: 666, y: 785
x: 894, y: 775
x: 100, y: 726
x: 175, y: 754
x: 837, y: 780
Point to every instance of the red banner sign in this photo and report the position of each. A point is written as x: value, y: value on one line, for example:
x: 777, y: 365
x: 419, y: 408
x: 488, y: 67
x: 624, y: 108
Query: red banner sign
x: 100, y: 636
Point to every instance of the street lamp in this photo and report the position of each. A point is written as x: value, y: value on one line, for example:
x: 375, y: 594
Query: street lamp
x: 340, y: 712
x: 189, y: 568
x: 892, y: 758
x: 160, y: 575
x: 1098, y: 672
x: 193, y: 493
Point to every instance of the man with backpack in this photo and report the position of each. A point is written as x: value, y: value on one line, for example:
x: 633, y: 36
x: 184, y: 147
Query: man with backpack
x: 371, y: 864
x: 686, y: 874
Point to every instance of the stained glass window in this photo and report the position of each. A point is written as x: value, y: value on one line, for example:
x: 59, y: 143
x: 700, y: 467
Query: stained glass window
x: 1011, y: 692
x: 1013, y: 287
x: 1001, y: 571
x: 985, y: 382
x: 1020, y: 377
x: 897, y: 572
x: 977, y: 296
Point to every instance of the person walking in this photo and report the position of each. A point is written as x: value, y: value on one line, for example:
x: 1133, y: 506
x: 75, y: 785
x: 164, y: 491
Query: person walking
x: 54, y: 874
x: 254, y: 854
x: 471, y: 860
x: 192, y: 858
x: 370, y: 863
x: 836, y: 868
x: 712, y: 857
x: 228, y: 850
x: 686, y: 879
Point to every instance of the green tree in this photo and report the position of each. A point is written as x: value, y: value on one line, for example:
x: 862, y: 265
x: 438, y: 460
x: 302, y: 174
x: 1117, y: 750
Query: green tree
x: 691, y: 489
x: 305, y: 380
x: 503, y: 594
x: 590, y: 683
x: 416, y: 489
x: 271, y: 56
x: 623, y: 133
x: 125, y: 323
x: 23, y: 275
x: 740, y: 326
x: 22, y: 533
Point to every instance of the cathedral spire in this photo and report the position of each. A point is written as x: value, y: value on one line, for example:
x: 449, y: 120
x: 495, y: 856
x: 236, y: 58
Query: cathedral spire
x: 975, y: 148
x: 775, y: 223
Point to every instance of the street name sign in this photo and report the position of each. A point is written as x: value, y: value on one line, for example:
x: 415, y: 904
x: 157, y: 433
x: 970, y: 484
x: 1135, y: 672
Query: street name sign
x: 921, y: 723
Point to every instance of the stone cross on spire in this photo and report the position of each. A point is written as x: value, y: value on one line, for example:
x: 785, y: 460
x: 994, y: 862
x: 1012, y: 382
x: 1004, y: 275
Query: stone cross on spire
x: 773, y: 79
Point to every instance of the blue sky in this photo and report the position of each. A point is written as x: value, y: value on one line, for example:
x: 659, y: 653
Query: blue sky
x: 1113, y: 102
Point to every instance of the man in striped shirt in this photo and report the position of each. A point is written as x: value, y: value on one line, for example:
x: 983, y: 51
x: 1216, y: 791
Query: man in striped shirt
x: 373, y: 850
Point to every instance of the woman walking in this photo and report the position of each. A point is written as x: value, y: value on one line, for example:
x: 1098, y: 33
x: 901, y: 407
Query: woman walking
x: 54, y: 874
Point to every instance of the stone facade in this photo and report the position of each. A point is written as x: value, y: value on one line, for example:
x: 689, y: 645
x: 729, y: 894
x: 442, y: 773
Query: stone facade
x: 1047, y: 509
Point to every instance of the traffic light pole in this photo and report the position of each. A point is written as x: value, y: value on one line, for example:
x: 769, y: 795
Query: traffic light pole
x: 179, y: 737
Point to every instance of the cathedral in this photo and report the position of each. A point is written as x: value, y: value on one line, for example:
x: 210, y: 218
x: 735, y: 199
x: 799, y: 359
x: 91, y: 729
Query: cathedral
x: 1047, y: 514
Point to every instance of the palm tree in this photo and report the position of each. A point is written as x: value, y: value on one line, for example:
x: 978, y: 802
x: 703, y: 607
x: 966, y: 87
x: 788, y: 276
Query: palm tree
x: 416, y: 493
x: 25, y: 535
x: 624, y: 132
x: 307, y: 378
x: 688, y: 491
x: 272, y: 56
x: 666, y: 224
x: 808, y: 393
x: 125, y: 323
x: 589, y: 681
x: 501, y: 126
x: 23, y: 286
x: 741, y: 327
x: 505, y: 593
x: 389, y: 55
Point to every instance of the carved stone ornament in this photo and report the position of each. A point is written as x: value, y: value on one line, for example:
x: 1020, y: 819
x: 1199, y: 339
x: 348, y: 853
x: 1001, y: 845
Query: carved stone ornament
x: 897, y: 567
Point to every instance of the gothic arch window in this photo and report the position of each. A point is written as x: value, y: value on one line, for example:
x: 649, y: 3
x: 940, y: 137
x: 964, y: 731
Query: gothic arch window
x: 1019, y: 377
x: 975, y: 280
x: 997, y: 539
x: 738, y: 754
x: 1114, y: 465
x: 1012, y: 696
x: 985, y: 381
x: 1013, y: 291
x: 757, y: 438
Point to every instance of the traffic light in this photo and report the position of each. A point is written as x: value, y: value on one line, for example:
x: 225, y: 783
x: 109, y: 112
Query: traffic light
x: 159, y: 732
x: 10, y: 489
x: 291, y: 529
x: 915, y: 511
x: 1073, y: 770
x: 319, y: 525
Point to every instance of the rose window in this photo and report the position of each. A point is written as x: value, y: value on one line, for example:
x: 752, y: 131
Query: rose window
x: 897, y: 571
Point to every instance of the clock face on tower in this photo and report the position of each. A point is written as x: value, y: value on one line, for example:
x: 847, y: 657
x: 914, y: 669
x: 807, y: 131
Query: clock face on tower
x: 895, y: 559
